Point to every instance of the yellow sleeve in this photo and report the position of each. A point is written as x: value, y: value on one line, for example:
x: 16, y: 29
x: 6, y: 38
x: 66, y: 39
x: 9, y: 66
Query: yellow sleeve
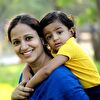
x: 66, y: 50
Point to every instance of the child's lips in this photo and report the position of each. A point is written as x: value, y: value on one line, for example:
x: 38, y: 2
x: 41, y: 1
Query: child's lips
x: 57, y: 45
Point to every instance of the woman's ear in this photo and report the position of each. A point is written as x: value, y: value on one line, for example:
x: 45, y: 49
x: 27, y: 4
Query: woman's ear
x: 42, y: 40
x: 45, y: 44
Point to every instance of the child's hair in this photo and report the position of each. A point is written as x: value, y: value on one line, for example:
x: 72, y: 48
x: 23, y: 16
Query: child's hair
x: 28, y: 20
x: 60, y: 16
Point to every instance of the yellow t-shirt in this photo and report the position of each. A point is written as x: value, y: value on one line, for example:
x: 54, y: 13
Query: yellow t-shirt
x: 80, y: 63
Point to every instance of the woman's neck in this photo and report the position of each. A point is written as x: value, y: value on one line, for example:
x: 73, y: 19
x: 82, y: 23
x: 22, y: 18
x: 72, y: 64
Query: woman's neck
x: 41, y: 62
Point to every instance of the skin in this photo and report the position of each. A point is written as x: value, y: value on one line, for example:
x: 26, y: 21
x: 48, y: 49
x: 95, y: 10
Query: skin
x: 21, y: 92
x: 28, y: 46
x: 56, y: 35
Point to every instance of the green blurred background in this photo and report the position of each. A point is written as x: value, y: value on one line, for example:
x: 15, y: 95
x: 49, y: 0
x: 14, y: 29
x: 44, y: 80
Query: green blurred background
x: 87, y: 22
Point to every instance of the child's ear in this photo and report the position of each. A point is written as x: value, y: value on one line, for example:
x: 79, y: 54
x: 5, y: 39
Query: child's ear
x: 72, y: 30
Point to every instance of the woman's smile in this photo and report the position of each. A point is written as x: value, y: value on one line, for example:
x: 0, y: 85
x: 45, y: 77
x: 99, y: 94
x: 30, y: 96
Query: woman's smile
x: 27, y: 53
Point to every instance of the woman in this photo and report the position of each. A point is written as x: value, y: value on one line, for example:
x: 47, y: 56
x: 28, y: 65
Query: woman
x: 24, y: 35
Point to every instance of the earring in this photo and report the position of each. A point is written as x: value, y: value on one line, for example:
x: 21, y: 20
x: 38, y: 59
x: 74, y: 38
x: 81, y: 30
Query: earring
x: 48, y: 47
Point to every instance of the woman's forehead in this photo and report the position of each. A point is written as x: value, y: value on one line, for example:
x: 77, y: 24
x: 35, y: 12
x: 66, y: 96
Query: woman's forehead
x: 22, y: 29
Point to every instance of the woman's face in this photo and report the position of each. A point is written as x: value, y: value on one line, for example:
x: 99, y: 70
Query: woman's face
x: 26, y: 43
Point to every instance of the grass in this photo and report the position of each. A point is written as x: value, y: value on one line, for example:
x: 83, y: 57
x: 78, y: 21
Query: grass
x: 5, y: 91
x: 9, y: 75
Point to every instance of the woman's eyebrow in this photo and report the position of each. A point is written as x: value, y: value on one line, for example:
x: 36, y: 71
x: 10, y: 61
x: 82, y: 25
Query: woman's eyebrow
x: 13, y: 40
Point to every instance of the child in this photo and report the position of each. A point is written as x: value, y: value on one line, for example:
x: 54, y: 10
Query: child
x: 58, y: 31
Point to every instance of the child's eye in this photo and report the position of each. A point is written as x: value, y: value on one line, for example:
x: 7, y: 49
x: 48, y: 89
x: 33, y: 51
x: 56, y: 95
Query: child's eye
x: 48, y: 37
x: 59, y: 32
x: 28, y: 38
x: 16, y: 43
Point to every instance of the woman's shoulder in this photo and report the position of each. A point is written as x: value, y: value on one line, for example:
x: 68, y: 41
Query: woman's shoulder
x: 62, y: 71
x: 63, y: 75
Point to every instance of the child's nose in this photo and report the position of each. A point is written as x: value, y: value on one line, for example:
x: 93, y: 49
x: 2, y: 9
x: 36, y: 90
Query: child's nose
x: 55, y: 37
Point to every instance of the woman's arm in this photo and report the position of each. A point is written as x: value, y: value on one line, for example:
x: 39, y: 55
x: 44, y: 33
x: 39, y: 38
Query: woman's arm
x: 44, y: 72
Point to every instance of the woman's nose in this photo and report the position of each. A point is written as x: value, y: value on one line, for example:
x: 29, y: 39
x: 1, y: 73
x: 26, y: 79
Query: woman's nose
x: 24, y: 45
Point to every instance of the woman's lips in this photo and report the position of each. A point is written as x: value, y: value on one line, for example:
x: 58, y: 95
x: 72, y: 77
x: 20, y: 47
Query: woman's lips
x: 27, y: 53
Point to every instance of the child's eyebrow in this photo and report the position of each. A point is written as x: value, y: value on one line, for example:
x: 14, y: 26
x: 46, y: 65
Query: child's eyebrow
x: 58, y: 28
x: 54, y: 30
x: 46, y: 33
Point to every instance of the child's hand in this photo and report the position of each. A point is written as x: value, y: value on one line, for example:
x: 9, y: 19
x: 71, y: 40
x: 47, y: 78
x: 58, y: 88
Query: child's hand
x: 26, y: 73
x: 21, y: 92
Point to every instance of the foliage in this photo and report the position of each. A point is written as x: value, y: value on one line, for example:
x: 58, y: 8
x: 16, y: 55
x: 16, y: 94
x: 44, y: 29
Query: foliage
x: 12, y: 7
x: 38, y: 8
x: 98, y: 66
x: 84, y: 9
x: 90, y: 13
x: 63, y: 3
x: 10, y: 74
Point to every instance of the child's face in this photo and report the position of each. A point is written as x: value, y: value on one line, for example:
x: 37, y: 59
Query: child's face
x: 56, y: 35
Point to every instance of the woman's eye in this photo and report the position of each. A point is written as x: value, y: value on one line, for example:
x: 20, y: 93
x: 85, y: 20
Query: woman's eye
x: 16, y: 43
x: 28, y: 38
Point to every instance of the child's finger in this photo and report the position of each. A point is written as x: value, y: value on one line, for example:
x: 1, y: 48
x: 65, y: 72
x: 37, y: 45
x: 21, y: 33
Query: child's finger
x: 26, y: 89
x: 23, y: 83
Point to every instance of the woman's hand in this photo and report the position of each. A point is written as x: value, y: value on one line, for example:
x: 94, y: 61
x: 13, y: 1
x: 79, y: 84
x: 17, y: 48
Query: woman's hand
x: 21, y: 92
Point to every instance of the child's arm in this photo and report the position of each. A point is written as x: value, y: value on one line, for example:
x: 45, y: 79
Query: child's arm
x: 44, y: 72
x: 26, y: 73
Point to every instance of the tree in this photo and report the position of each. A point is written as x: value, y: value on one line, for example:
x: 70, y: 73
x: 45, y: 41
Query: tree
x: 97, y: 39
